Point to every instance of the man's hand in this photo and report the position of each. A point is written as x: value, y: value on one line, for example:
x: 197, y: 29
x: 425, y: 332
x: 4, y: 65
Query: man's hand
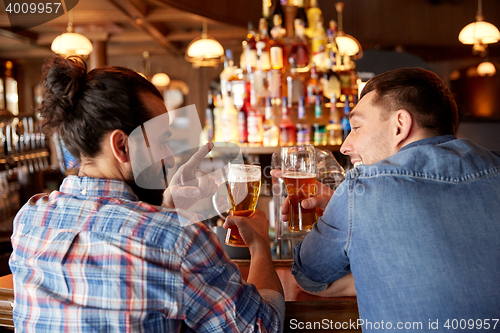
x: 189, y: 184
x: 254, y: 229
x: 319, y: 201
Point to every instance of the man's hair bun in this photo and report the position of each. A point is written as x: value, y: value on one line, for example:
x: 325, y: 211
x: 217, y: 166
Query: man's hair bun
x: 63, y: 80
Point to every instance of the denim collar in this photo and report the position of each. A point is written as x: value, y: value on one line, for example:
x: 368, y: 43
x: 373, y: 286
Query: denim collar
x: 434, y: 140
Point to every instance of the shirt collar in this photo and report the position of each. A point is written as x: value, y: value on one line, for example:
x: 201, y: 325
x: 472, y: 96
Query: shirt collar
x: 97, y: 187
x: 434, y: 140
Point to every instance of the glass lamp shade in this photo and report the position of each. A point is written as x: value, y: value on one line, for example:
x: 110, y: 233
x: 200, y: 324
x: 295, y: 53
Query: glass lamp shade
x: 160, y: 80
x: 71, y: 43
x: 486, y: 68
x: 479, y: 32
x: 348, y: 45
x: 205, y: 52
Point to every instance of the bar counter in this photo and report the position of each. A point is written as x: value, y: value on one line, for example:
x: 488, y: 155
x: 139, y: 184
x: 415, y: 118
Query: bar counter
x: 303, y: 311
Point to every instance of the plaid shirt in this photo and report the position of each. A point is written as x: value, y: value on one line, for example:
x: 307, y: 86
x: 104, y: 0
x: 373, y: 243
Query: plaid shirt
x: 90, y: 257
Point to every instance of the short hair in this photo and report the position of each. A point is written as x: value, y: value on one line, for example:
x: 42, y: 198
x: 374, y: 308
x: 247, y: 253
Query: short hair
x: 83, y: 106
x: 420, y: 92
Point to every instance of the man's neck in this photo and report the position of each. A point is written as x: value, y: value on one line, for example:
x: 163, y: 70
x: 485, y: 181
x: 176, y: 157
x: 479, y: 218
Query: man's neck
x: 99, y: 169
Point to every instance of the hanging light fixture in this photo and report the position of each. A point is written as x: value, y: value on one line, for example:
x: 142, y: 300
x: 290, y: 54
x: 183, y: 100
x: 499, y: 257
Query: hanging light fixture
x: 347, y: 44
x: 479, y: 33
x: 160, y: 80
x: 486, y: 68
x: 71, y: 43
x: 205, y: 51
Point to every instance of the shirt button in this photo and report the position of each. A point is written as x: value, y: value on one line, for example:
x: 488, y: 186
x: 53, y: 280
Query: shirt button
x: 84, y: 192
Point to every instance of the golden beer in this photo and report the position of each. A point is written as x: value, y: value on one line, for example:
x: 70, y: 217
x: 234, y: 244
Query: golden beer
x: 243, y: 190
x: 300, y: 186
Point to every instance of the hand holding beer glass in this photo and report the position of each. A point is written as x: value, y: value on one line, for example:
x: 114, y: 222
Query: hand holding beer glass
x: 298, y: 167
x: 243, y: 188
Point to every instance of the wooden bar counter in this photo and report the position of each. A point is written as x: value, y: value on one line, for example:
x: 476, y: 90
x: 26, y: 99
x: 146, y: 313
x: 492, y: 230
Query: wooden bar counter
x: 303, y: 311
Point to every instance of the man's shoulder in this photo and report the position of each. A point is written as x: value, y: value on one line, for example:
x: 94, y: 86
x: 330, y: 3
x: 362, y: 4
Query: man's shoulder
x: 453, y: 160
x: 109, y: 217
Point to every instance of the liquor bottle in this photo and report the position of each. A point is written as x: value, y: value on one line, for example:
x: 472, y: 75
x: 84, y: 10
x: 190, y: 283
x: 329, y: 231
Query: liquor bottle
x: 277, y: 35
x: 295, y: 84
x: 318, y: 46
x: 286, y: 126
x: 229, y: 120
x: 313, y: 87
x: 344, y: 73
x: 258, y: 79
x: 319, y: 126
x: 346, y: 126
x: 263, y: 43
x: 208, y: 130
x: 271, y: 130
x: 255, y: 122
x: 303, y: 128
x: 278, y: 10
x: 330, y: 81
x: 314, y: 15
x: 227, y: 73
x: 243, y: 116
x: 299, y: 50
x: 301, y: 13
x: 332, y: 49
x: 250, y: 48
x: 219, y: 107
x: 333, y: 129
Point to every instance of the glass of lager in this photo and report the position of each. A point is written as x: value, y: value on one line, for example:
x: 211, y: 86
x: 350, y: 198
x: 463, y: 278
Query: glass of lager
x: 298, y: 165
x: 243, y: 188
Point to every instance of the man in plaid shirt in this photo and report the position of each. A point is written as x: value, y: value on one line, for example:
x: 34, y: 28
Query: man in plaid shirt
x: 96, y: 256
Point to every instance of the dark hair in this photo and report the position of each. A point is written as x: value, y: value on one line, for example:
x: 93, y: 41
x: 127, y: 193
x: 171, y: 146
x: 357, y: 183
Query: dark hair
x: 420, y: 92
x: 84, y: 107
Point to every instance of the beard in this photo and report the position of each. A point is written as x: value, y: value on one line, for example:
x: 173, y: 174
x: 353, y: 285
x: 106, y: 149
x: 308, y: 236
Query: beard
x: 150, y: 196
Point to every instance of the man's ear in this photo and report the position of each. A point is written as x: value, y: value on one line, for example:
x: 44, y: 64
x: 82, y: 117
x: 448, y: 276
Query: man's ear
x: 118, y: 141
x: 402, y: 126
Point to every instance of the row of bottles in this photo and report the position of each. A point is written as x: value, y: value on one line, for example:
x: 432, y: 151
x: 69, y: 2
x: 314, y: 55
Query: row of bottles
x: 278, y: 125
x: 286, y: 90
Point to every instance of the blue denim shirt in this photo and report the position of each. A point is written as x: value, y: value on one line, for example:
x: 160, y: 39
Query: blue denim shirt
x: 420, y: 231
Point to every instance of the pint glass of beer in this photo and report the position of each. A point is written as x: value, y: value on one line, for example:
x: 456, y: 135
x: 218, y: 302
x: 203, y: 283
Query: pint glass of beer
x: 243, y: 188
x: 298, y: 165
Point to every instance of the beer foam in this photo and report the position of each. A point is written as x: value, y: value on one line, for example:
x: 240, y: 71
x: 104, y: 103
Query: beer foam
x: 242, y: 173
x: 299, y: 175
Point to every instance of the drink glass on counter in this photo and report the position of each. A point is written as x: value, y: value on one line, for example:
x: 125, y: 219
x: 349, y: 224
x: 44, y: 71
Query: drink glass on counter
x: 243, y: 188
x: 298, y: 165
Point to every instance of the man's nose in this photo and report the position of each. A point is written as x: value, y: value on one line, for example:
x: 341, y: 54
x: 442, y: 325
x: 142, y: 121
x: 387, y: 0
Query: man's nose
x: 169, y: 159
x: 346, y: 146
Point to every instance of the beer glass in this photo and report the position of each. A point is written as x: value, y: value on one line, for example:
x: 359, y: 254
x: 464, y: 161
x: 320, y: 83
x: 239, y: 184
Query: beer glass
x: 243, y: 188
x: 298, y: 166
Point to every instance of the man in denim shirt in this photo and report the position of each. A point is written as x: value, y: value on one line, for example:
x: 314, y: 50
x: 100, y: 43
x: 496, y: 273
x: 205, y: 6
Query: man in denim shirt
x: 416, y: 224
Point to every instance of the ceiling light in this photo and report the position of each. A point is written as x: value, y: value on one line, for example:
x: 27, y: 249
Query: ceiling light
x: 71, y: 43
x: 160, y: 80
x: 347, y: 44
x: 205, y: 51
x: 486, y: 68
x: 479, y: 33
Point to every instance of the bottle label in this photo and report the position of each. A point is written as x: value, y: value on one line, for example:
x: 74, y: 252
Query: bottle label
x: 255, y: 129
x: 287, y: 137
x: 275, y: 83
x: 304, y: 136
x: 296, y: 90
x: 271, y: 136
x: 320, y: 137
x: 229, y: 124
